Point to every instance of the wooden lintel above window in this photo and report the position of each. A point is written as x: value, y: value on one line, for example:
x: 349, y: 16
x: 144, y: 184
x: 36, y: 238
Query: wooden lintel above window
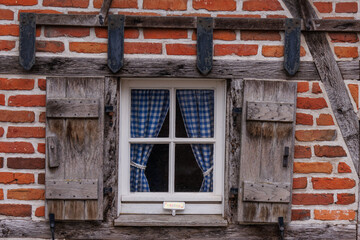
x: 258, y: 24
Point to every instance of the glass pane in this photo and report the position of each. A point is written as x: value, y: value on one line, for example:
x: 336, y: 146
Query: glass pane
x: 149, y: 108
x: 196, y: 118
x: 149, y: 168
x: 189, y: 176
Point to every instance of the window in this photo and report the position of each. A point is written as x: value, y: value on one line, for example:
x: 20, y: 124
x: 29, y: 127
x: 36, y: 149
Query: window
x: 171, y: 145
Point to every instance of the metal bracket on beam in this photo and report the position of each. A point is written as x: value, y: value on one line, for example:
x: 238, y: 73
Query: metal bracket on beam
x: 116, y: 42
x: 27, y: 40
x: 204, y: 46
x: 292, y: 45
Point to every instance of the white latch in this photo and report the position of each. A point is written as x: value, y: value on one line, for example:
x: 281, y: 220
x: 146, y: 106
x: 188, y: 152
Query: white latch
x: 173, y: 206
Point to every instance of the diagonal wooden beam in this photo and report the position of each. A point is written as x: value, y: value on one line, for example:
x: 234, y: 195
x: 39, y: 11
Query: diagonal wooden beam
x: 104, y: 11
x: 331, y: 77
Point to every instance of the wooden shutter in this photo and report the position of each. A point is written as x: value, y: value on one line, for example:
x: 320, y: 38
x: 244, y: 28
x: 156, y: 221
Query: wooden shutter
x: 268, y: 121
x: 74, y: 154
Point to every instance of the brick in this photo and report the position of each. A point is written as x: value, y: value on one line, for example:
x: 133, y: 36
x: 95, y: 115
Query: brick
x: 215, y: 5
x: 56, y: 31
x: 19, y: 2
x: 181, y: 49
x: 138, y: 13
x: 302, y: 87
x: 316, y: 89
x: 1, y: 162
x: 323, y: 7
x: 165, y: 33
x: 66, y: 3
x: 226, y: 35
x: 16, y: 147
x: 128, y: 33
x: 345, y: 198
x: 311, y: 103
x: 262, y: 5
x: 343, y: 168
x: 1, y: 194
x: 16, y: 178
x: 42, y: 117
x: 302, y: 152
x: 2, y: 99
x: 328, y: 215
x: 26, y: 163
x: 344, y: 18
x: 240, y: 15
x: 118, y: 3
x: 329, y: 151
x: 42, y: 84
x: 333, y: 183
x: 312, y: 199
x: 40, y: 211
x: 272, y: 51
x: 26, y: 194
x: 50, y: 46
x: 354, y: 91
x: 276, y: 16
x: 6, y: 14
x: 300, y: 215
x: 344, y: 37
x: 25, y: 132
x: 312, y: 167
x: 299, y: 183
x: 1, y: 131
x: 346, y: 7
x: 16, y: 116
x: 41, y: 148
x: 235, y: 49
x: 325, y: 120
x: 262, y: 36
x: 142, y: 48
x: 41, y: 178
x: 9, y: 30
x: 15, y: 210
x: 315, y: 135
x: 304, y: 119
x: 170, y: 5
x: 27, y: 101
x: 6, y: 45
x: 16, y: 84
x: 43, y: 11
x: 346, y: 52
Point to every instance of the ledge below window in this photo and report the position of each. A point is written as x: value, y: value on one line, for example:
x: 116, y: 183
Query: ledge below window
x: 170, y: 221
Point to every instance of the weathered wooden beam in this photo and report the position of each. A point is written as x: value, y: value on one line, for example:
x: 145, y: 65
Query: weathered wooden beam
x: 104, y: 11
x: 99, y: 230
x: 58, y: 66
x: 331, y: 25
x: 333, y: 80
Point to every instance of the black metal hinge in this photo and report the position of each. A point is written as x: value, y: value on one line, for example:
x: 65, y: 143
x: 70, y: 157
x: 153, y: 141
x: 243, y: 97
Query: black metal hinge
x: 27, y: 40
x: 236, y: 113
x: 116, y: 42
x: 204, y: 45
x: 107, y: 190
x: 292, y: 45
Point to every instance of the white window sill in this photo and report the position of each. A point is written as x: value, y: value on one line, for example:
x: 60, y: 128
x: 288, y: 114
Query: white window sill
x: 170, y: 221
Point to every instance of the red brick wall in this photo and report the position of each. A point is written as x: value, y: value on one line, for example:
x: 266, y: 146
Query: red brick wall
x: 325, y: 184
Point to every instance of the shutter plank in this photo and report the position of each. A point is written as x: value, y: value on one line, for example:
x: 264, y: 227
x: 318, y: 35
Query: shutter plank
x: 72, y: 189
x: 72, y: 108
x: 270, y: 111
x: 266, y: 192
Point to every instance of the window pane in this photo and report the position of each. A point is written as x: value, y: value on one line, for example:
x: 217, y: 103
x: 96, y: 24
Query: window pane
x: 149, y: 167
x: 191, y: 168
x: 149, y: 108
x: 197, y: 113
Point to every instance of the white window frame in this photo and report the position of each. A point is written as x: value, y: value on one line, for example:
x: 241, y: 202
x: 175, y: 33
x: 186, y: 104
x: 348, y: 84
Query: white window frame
x: 151, y: 203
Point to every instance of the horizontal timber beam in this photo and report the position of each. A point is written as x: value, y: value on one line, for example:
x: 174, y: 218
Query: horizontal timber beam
x: 182, y: 68
x: 273, y: 24
x: 98, y: 230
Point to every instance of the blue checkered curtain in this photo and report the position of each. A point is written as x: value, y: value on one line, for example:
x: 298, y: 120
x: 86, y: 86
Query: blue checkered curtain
x: 197, y: 110
x: 148, y: 112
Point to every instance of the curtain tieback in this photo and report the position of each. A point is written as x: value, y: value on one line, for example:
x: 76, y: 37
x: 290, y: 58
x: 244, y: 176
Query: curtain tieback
x: 207, y: 172
x: 142, y: 167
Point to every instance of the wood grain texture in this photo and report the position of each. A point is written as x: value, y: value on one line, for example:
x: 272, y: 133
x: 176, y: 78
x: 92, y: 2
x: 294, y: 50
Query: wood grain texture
x: 72, y: 108
x: 104, y: 10
x: 333, y: 80
x: 81, y: 141
x: 98, y: 230
x: 262, y: 146
x: 56, y: 66
x: 266, y: 192
x: 270, y: 111
x: 72, y: 189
